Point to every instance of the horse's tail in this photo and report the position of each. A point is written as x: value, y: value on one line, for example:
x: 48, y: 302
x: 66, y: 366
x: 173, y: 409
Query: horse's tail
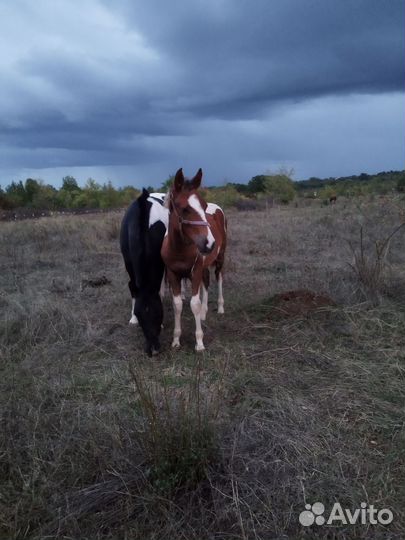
x: 133, y: 234
x: 141, y: 237
x: 143, y: 213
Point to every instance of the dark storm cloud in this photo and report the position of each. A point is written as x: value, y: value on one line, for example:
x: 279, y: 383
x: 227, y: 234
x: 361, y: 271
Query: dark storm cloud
x: 97, y: 83
x: 238, y: 56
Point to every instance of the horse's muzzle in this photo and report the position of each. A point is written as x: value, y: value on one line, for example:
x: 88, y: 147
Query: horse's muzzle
x: 203, y: 247
x: 152, y: 349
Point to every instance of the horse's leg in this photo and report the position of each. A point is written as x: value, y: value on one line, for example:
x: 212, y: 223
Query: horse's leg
x: 175, y: 284
x: 206, y: 282
x: 133, y: 319
x: 132, y: 288
x: 162, y: 291
x: 183, y: 289
x: 204, y: 304
x: 195, y: 304
x: 218, y: 274
x: 178, y: 308
x: 220, y: 295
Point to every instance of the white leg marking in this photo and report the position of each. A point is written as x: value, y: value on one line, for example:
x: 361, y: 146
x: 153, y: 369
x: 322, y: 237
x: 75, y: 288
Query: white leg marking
x: 133, y: 319
x: 177, y: 307
x: 195, y: 304
x: 204, y: 305
x: 220, y: 295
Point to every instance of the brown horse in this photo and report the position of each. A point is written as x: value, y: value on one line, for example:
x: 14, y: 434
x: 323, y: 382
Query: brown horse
x: 195, y: 241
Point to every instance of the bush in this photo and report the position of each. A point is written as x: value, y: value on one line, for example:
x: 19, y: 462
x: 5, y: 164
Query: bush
x: 279, y: 186
x: 245, y: 204
x: 178, y: 434
x: 326, y: 193
x: 401, y: 183
x: 369, y: 265
x: 45, y: 197
x: 224, y: 196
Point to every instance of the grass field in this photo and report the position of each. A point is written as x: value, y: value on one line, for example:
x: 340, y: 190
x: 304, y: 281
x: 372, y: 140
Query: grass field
x: 288, y: 405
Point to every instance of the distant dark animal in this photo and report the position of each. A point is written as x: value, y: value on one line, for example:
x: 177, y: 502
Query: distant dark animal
x: 332, y: 200
x: 195, y: 241
x: 142, y: 231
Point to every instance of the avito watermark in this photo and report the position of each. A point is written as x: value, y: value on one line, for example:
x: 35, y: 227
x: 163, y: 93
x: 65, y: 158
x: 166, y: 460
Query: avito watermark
x: 365, y: 515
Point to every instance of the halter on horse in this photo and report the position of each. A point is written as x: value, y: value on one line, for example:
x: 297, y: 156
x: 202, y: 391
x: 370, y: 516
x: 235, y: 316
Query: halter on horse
x: 195, y: 241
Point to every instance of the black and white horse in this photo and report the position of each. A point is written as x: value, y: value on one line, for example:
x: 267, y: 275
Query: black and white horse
x: 142, y: 230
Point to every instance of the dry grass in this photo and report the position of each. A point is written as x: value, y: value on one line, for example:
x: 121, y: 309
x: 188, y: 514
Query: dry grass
x: 98, y: 441
x: 369, y: 268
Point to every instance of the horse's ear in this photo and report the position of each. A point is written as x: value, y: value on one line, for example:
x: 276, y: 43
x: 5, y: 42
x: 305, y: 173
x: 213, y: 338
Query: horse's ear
x: 178, y: 180
x: 196, y: 181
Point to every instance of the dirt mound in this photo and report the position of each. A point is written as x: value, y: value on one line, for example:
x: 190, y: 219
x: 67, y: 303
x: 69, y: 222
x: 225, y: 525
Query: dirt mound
x: 300, y: 302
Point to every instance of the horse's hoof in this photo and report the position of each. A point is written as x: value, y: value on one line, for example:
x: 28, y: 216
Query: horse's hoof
x: 175, y: 344
x: 133, y: 320
x: 221, y: 310
x: 199, y: 348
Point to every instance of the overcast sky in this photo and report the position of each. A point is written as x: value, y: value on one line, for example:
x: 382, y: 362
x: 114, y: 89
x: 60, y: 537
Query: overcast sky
x: 129, y: 91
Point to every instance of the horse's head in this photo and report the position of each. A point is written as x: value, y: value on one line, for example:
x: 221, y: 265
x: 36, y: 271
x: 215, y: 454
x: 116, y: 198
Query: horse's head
x: 187, y: 212
x: 149, y: 312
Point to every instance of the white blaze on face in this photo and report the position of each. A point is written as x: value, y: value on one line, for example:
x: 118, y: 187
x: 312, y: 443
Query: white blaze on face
x: 195, y: 205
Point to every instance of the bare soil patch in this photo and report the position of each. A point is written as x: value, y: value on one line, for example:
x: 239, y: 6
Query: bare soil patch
x: 300, y: 302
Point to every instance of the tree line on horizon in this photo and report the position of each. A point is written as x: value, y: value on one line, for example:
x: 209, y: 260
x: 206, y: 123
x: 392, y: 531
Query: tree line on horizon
x: 280, y: 187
